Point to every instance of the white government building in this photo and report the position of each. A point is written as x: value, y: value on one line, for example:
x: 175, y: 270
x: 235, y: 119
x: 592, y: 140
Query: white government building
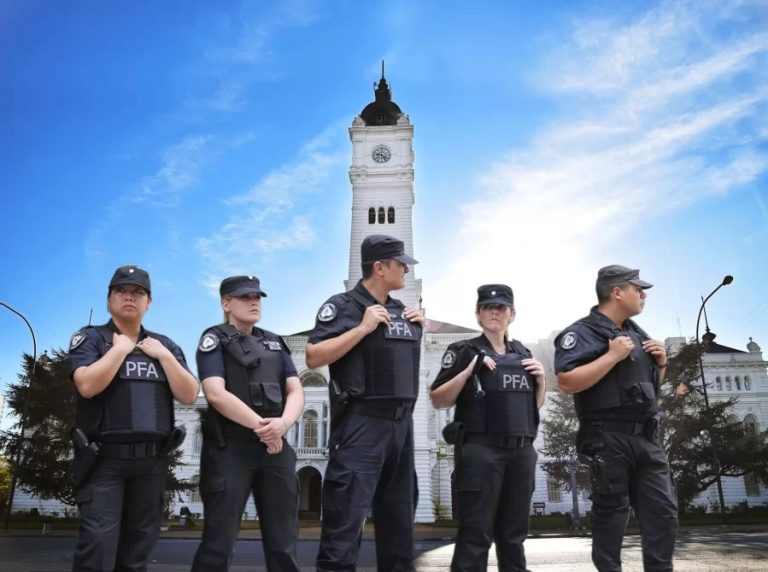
x: 382, y: 175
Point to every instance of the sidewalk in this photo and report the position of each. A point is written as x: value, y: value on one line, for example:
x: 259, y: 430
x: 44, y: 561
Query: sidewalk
x: 421, y: 532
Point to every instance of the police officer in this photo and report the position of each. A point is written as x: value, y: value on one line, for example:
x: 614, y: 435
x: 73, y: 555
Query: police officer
x: 372, y: 343
x: 254, y: 396
x: 497, y: 388
x: 614, y: 369
x: 126, y: 379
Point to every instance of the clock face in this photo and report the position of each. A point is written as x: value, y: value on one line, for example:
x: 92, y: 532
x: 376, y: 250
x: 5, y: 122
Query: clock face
x: 381, y: 154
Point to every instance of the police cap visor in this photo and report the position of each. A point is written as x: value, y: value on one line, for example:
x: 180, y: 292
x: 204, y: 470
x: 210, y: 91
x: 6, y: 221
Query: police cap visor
x: 382, y: 247
x: 235, y: 286
x: 130, y: 274
x: 617, y: 274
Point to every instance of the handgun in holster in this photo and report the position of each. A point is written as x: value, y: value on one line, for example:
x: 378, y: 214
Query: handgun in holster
x: 86, y: 453
x: 213, y: 429
x: 453, y: 433
x: 652, y: 427
x: 339, y: 399
x: 174, y: 440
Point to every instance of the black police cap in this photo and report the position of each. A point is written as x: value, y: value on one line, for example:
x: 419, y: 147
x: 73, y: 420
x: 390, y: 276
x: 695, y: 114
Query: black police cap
x: 617, y: 274
x: 495, y: 294
x: 130, y: 274
x: 382, y: 247
x: 240, y: 286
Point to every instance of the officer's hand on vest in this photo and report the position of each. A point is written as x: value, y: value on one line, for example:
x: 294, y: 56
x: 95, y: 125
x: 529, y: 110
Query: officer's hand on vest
x: 152, y: 347
x: 534, y: 367
x: 620, y: 347
x: 413, y: 315
x: 123, y: 343
x: 658, y: 350
x: 374, y: 315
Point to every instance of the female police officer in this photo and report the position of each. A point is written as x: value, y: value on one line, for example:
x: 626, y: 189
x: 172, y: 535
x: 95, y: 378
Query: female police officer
x: 126, y: 379
x: 497, y: 405
x: 254, y: 396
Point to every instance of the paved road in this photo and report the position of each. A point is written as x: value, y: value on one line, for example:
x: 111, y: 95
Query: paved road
x: 696, y: 552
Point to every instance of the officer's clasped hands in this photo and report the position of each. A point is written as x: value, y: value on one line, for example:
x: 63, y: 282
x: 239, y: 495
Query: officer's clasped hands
x: 271, y: 431
x: 413, y: 315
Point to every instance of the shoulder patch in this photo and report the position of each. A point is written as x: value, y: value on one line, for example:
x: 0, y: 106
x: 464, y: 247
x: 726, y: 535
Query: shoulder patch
x: 208, y: 342
x: 568, y: 340
x: 449, y: 358
x: 77, y: 339
x: 328, y: 312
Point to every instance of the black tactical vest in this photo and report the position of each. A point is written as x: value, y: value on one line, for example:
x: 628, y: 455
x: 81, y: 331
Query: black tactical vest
x: 254, y: 373
x: 630, y: 387
x: 508, y: 406
x: 136, y: 406
x: 390, y: 355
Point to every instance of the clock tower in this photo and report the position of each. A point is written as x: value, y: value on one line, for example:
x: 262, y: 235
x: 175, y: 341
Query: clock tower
x: 381, y: 174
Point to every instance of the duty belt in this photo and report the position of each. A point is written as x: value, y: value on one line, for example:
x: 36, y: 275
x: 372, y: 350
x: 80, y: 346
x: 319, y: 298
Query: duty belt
x: 503, y: 441
x: 388, y: 411
x: 628, y: 427
x: 136, y: 450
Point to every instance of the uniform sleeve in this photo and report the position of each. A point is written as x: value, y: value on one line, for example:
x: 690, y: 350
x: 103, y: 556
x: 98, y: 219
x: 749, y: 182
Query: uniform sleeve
x: 289, y: 368
x: 84, y: 349
x: 333, y: 319
x: 576, y: 346
x: 210, y: 356
x: 455, y: 359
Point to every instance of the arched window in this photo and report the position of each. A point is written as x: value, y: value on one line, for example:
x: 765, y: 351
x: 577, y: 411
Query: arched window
x: 747, y: 383
x: 309, y: 420
x: 719, y: 383
x: 371, y: 215
x: 391, y: 215
x: 728, y: 386
x: 381, y: 215
x: 194, y: 492
x: 312, y: 378
x: 751, y: 427
x: 197, y: 445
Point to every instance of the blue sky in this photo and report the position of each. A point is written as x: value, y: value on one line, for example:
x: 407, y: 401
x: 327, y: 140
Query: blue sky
x: 200, y: 139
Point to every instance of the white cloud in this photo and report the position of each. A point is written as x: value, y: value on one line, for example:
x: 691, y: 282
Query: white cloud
x: 180, y: 170
x: 267, y: 219
x: 658, y: 114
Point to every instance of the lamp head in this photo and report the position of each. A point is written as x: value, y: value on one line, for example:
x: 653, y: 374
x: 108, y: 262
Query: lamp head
x: 727, y: 280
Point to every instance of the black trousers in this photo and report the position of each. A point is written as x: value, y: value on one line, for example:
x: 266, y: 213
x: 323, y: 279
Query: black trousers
x: 227, y: 477
x: 121, y: 510
x: 629, y: 470
x: 370, y: 465
x: 494, y: 487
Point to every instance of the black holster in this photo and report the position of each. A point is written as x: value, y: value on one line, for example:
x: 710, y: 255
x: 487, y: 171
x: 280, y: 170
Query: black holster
x: 652, y: 427
x: 84, y: 459
x: 174, y: 440
x: 339, y: 403
x: 453, y: 433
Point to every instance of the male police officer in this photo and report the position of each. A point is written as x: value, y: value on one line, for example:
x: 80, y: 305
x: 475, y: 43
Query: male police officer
x: 372, y: 343
x: 614, y: 370
x: 126, y: 379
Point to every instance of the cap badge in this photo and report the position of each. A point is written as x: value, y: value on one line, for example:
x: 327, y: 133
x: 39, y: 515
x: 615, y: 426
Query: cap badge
x: 130, y: 271
x: 449, y: 357
x: 327, y: 312
x: 209, y: 342
x: 493, y: 292
x: 568, y: 341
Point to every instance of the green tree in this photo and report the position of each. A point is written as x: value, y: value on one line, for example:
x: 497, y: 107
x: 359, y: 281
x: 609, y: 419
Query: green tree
x: 691, y: 428
x: 47, y: 404
x: 559, y: 431
x: 5, y: 483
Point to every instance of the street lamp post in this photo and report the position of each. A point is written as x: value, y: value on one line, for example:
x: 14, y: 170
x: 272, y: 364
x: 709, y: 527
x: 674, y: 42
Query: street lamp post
x: 17, y: 456
x: 708, y: 337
